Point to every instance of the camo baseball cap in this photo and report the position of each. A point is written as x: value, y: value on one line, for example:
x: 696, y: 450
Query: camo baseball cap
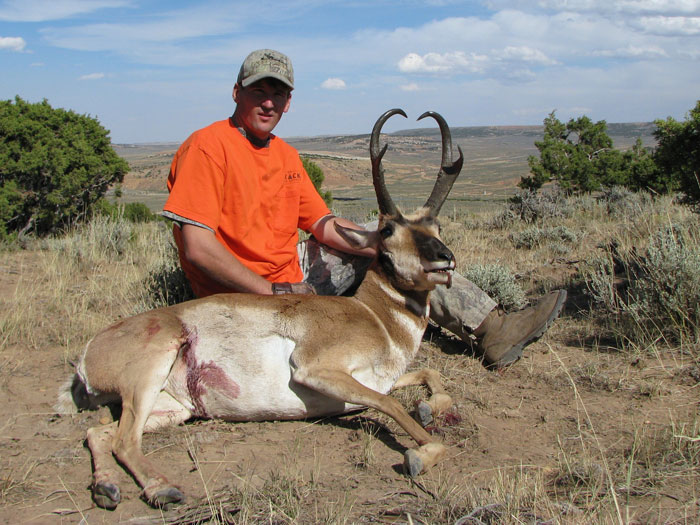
x: 266, y: 63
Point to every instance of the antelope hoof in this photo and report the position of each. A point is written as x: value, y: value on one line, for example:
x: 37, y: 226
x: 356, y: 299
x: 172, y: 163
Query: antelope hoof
x: 423, y: 413
x: 164, y: 497
x: 106, y: 495
x: 412, y: 463
x: 418, y: 460
x: 440, y: 403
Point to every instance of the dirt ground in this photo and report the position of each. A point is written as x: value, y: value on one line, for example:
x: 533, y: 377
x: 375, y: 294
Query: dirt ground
x: 564, y: 407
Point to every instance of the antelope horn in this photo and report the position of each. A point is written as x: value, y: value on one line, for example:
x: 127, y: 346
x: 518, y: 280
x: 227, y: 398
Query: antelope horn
x: 386, y: 205
x: 448, y: 169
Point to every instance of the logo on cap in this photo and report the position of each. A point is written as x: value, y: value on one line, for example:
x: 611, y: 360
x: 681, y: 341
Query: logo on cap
x: 266, y: 63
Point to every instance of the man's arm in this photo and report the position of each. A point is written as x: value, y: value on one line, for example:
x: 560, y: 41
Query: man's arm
x: 204, y: 251
x: 324, y: 231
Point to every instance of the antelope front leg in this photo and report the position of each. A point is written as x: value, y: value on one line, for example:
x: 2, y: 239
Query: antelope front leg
x: 438, y: 403
x: 341, y: 385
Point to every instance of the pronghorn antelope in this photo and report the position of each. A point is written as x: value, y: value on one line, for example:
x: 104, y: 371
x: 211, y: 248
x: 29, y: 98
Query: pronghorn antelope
x: 242, y: 357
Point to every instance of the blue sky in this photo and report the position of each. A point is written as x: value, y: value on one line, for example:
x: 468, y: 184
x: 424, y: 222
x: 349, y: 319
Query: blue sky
x: 154, y: 71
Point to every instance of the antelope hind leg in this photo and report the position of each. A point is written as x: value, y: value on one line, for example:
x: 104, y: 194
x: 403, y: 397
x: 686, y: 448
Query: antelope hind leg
x: 439, y: 401
x: 157, y: 490
x: 105, y: 490
x: 140, y: 386
x: 166, y: 412
x: 341, y: 385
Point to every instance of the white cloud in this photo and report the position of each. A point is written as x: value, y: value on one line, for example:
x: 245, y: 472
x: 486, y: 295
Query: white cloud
x: 669, y: 25
x: 525, y: 54
x: 333, y: 83
x: 410, y: 87
x: 622, y: 6
x: 504, y: 62
x: 649, y: 52
x: 12, y: 43
x: 450, y: 62
x: 92, y: 76
x: 43, y: 10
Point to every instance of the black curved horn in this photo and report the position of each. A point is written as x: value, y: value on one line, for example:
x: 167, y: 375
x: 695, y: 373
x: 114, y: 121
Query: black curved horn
x: 448, y: 170
x: 386, y: 205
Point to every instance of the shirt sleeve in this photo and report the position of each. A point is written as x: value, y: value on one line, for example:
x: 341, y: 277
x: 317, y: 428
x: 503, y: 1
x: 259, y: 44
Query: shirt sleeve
x: 311, y: 206
x: 196, y: 184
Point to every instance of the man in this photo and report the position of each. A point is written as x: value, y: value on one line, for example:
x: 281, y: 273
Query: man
x: 238, y: 193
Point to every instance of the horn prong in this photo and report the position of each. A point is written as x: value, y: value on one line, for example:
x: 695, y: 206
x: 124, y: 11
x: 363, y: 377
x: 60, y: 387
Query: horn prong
x: 449, y: 170
x: 384, y: 201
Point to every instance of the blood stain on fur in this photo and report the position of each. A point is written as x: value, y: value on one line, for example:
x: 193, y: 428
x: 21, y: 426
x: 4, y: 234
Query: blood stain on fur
x: 203, y: 376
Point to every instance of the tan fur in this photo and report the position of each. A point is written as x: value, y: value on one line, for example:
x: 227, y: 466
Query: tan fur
x: 337, y: 342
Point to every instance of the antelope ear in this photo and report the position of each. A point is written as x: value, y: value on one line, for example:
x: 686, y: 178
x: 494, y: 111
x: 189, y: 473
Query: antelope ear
x: 358, y: 239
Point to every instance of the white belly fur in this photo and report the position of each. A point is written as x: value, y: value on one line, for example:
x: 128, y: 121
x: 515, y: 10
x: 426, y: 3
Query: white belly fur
x: 257, y: 385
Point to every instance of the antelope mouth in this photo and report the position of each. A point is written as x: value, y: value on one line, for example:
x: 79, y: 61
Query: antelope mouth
x: 441, y: 274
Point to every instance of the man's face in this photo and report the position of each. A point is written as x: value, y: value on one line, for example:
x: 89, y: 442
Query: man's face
x: 259, y: 107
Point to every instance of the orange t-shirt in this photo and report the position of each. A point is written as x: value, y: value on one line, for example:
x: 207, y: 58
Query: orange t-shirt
x: 254, y: 199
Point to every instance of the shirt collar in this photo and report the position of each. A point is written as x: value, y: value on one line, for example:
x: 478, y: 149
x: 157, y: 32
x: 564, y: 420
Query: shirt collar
x: 255, y: 141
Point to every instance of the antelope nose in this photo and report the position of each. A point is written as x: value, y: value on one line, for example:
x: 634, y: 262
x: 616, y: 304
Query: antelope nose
x: 445, y: 254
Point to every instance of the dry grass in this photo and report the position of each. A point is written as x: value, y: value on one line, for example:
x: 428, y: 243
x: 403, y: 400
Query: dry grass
x: 640, y: 468
x: 88, y: 278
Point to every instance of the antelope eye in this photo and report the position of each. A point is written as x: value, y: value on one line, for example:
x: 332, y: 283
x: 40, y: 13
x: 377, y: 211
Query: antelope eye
x: 386, y: 231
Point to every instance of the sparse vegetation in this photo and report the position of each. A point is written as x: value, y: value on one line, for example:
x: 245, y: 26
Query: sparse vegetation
x: 534, y: 237
x: 132, y: 211
x: 499, y: 283
x: 532, y: 207
x: 623, y: 204
x: 97, y: 272
x: 653, y: 293
x: 597, y: 424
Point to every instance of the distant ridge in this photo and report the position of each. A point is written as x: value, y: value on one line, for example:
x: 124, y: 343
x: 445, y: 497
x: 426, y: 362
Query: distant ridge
x: 620, y: 129
x: 146, y: 144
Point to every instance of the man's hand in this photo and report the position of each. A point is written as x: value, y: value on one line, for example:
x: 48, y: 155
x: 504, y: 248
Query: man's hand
x: 325, y: 232
x: 296, y: 288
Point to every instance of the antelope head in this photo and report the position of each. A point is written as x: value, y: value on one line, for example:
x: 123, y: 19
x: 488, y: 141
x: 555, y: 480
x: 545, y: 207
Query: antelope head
x: 409, y: 249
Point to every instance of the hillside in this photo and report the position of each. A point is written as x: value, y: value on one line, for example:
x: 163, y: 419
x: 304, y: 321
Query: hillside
x: 495, y: 159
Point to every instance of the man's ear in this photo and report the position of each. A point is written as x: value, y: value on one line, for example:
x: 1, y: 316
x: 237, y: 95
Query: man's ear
x: 234, y: 94
x: 359, y: 239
